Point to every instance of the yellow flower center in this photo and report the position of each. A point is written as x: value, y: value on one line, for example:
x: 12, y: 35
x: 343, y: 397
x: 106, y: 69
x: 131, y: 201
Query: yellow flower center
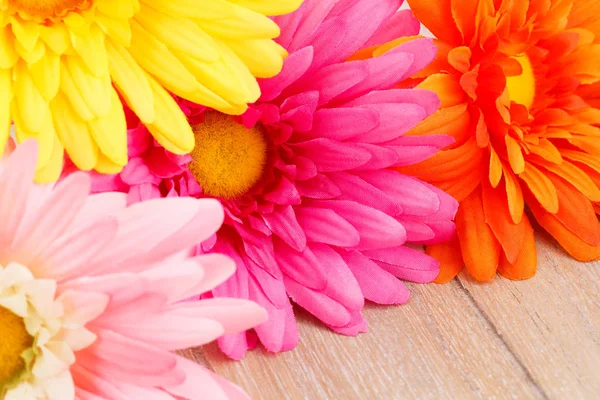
x: 14, y: 340
x: 48, y: 8
x: 229, y: 159
x: 521, y: 88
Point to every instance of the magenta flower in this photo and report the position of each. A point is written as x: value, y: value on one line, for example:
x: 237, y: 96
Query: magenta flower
x: 313, y: 211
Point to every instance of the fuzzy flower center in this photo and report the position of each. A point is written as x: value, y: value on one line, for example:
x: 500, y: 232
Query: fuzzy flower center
x: 14, y: 340
x: 522, y: 87
x: 228, y: 159
x: 48, y: 8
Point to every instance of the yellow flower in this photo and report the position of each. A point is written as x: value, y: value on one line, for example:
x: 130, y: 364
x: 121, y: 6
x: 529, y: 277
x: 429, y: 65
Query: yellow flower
x: 66, y: 65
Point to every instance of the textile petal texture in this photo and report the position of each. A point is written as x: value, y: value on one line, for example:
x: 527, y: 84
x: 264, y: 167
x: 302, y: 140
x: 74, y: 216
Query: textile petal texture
x: 314, y: 212
x: 92, y: 292
x: 519, y: 90
x: 66, y: 67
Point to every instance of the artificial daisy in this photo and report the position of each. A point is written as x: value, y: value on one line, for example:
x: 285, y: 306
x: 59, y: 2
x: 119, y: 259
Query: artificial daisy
x: 91, y: 292
x: 66, y: 66
x: 313, y: 212
x: 518, y: 82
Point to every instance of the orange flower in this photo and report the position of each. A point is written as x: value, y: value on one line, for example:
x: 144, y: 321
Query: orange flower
x: 519, y: 83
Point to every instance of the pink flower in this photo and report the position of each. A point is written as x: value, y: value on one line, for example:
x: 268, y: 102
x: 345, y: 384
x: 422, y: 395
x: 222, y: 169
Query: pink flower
x: 313, y: 211
x: 91, y: 292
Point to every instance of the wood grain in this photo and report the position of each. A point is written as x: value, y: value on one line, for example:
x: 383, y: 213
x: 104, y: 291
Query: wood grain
x: 464, y: 340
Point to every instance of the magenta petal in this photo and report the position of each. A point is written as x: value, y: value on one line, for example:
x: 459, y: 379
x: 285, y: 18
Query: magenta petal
x: 356, y: 189
x: 356, y: 325
x: 294, y: 67
x: 339, y: 156
x: 415, y: 197
x: 322, y: 225
x: 406, y: 263
x: 376, y: 228
x: 303, y: 267
x: 282, y: 221
x: 402, y: 24
x: 343, y: 123
x: 394, y: 120
x: 341, y: 284
x: 416, y: 231
x: 318, y: 304
x: 376, y: 284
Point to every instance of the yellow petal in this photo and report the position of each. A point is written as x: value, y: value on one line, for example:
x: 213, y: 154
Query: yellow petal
x: 263, y: 57
x: 119, y: 9
x: 67, y: 86
x: 74, y: 134
x: 278, y: 7
x: 92, y: 51
x: 110, y: 132
x: 27, y: 33
x: 44, y: 135
x: 5, y: 100
x: 8, y: 54
x: 56, y: 37
x: 131, y: 81
x: 31, y: 55
x: 46, y: 75
x: 31, y: 107
x: 178, y: 33
x: 105, y: 166
x: 170, y: 127
x: 117, y: 29
x: 50, y: 172
x: 95, y: 91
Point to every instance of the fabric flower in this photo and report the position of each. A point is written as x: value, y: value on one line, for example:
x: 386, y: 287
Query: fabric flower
x: 518, y: 82
x: 313, y: 212
x: 66, y: 65
x: 90, y: 292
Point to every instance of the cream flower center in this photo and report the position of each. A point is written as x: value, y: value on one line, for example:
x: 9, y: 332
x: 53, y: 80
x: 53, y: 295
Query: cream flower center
x: 228, y: 159
x: 14, y: 340
x: 521, y: 88
x: 48, y: 8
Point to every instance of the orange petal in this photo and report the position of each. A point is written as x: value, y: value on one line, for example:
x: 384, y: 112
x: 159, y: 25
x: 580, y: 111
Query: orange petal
x: 450, y: 259
x: 453, y: 121
x: 436, y: 15
x: 515, y: 155
x: 447, y: 88
x: 514, y: 195
x: 576, y: 177
x: 570, y: 242
x: 495, y: 168
x: 497, y: 216
x: 576, y: 212
x: 463, y: 186
x: 447, y: 164
x: 541, y: 186
x: 480, y: 249
x: 525, y: 265
x: 547, y: 151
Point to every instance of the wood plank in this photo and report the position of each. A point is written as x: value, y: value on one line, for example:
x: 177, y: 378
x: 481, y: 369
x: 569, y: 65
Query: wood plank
x: 551, y: 322
x: 439, y: 346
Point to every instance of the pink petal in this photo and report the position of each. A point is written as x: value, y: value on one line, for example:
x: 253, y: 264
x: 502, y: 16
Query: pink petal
x: 356, y: 189
x: 343, y: 123
x: 294, y: 66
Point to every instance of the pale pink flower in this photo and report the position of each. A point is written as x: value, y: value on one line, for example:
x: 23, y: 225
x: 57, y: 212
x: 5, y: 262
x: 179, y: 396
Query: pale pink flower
x: 314, y: 211
x: 91, y: 292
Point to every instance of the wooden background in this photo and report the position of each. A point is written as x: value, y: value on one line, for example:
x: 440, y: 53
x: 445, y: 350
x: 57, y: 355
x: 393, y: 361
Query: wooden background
x: 537, y: 339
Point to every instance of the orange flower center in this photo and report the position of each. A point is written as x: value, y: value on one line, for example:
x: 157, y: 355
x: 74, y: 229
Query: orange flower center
x: 48, y: 8
x: 14, y: 340
x: 521, y: 88
x: 229, y: 159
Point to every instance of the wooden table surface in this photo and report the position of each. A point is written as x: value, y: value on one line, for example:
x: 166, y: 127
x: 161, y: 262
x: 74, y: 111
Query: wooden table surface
x: 463, y: 340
